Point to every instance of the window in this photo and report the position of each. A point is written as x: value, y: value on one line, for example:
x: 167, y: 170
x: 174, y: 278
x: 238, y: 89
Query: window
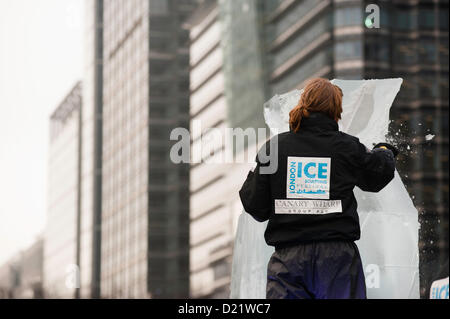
x: 405, y: 52
x: 348, y: 50
x: 406, y: 20
x: 159, y: 131
x: 348, y: 16
x: 157, y: 177
x: 443, y: 52
x: 158, y: 7
x: 301, y: 41
x: 376, y: 50
x: 160, y: 43
x: 443, y: 85
x: 430, y: 196
x: 221, y: 269
x: 428, y: 86
x: 426, y: 19
x: 444, y: 158
x: 162, y: 24
x: 157, y: 110
x: 444, y: 123
x: 292, y: 16
x: 443, y: 18
x: 427, y: 51
x: 430, y: 160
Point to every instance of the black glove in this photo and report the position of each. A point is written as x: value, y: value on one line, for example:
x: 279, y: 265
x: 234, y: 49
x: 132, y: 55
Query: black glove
x: 389, y: 147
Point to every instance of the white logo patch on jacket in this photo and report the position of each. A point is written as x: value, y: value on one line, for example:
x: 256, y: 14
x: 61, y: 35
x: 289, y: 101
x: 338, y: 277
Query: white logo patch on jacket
x: 308, y: 177
x: 307, y: 206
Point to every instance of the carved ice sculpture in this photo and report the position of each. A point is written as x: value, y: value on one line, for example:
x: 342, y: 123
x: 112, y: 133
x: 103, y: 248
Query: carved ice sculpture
x: 388, y: 219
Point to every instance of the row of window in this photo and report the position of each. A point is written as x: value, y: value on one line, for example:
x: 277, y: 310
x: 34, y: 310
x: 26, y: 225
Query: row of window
x: 402, y: 19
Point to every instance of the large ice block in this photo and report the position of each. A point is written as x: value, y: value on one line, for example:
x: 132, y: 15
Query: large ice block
x: 388, y: 219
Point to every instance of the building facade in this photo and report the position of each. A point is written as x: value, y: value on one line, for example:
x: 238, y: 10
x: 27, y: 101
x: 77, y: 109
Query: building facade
x: 125, y: 142
x: 214, y: 203
x: 89, y: 231
x: 60, y: 237
x: 228, y: 89
x: 168, y: 183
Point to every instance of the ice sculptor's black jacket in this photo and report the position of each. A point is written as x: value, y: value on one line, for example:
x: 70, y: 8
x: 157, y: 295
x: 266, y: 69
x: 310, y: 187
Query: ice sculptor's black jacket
x: 310, y: 196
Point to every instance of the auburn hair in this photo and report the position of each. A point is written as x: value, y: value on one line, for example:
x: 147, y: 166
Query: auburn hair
x: 319, y: 95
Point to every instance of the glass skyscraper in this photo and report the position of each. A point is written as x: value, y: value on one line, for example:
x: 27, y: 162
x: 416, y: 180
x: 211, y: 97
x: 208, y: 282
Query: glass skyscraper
x: 137, y: 205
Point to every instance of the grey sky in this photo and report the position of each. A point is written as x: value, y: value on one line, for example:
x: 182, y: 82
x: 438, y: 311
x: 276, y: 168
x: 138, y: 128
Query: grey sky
x: 41, y: 58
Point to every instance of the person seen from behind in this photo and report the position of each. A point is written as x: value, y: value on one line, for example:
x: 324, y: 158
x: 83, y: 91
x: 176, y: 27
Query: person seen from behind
x: 309, y: 202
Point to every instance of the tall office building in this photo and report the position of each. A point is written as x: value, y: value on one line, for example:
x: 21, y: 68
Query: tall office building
x: 168, y: 183
x: 91, y: 154
x: 60, y: 237
x: 125, y: 149
x: 274, y: 46
x: 137, y: 203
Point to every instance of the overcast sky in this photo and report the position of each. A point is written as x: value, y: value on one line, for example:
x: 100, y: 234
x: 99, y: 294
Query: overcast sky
x: 41, y: 58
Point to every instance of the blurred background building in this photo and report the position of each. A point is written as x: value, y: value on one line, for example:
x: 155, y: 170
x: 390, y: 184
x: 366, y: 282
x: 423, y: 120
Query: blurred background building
x: 137, y: 90
x: 210, y: 226
x: 61, y: 247
x: 214, y: 203
x: 141, y: 226
x: 22, y: 276
x: 91, y: 154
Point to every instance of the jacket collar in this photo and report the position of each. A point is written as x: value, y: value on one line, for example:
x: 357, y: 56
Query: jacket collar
x: 318, y: 122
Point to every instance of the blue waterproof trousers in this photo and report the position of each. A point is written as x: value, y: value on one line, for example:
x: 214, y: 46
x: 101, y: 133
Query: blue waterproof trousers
x: 319, y: 270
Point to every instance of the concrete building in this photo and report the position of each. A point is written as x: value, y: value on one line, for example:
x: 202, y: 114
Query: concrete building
x: 211, y: 209
x: 60, y: 237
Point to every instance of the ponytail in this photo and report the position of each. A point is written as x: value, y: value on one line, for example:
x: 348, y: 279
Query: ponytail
x: 297, y: 114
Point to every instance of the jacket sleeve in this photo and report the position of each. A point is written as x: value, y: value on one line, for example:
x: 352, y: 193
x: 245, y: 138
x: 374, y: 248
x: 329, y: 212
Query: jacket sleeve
x: 375, y: 168
x: 255, y: 194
